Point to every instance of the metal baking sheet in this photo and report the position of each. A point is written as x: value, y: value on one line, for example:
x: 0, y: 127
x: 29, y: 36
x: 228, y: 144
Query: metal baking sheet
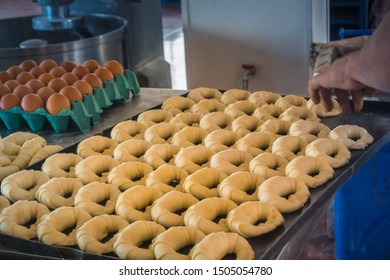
x: 375, y: 117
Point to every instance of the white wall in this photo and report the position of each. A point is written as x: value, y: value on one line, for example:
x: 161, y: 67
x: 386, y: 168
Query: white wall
x: 274, y: 35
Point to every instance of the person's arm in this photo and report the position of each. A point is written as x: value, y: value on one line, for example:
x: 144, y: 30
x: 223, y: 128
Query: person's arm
x: 356, y: 73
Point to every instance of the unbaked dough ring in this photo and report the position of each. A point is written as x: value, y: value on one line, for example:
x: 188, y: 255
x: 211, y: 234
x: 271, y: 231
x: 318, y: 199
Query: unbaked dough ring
x: 202, y: 214
x: 332, y: 151
x: 353, y: 137
x: 309, y: 130
x: 23, y: 185
x: 90, y: 235
x: 289, y: 146
x: 135, y: 203
x: 177, y: 104
x: 167, y: 244
x: 127, y: 244
x: 95, y: 168
x: 216, y: 120
x: 4, y: 203
x: 246, y: 124
x: 92, y: 196
x: 189, y: 136
x: 320, y: 110
x: 291, y: 100
x: 230, y: 161
x: 129, y: 174
x: 61, y: 165
x: 268, y: 112
x: 233, y: 95
x: 243, y: 219
x: 276, y: 126
x: 152, y: 117
x: 204, y: 182
x: 44, y: 152
x: 193, y: 158
x: 240, y: 187
x: 240, y: 108
x: 164, y: 209
x: 268, y: 165
x: 131, y: 150
x: 256, y: 143
x: 274, y: 191
x: 201, y: 93
x: 14, y: 217
x: 294, y: 113
x: 96, y: 145
x: 50, y: 228
x: 160, y: 133
x: 58, y: 192
x: 160, y: 154
x: 183, y: 120
x: 217, y: 245
x: 207, y: 106
x: 167, y: 178
x: 221, y: 139
x: 260, y: 98
x: 128, y: 130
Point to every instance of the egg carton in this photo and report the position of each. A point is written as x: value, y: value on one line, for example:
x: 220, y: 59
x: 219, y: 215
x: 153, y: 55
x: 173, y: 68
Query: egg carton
x: 83, y: 114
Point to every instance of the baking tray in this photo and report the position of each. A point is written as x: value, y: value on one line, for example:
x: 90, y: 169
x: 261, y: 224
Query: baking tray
x: 375, y: 117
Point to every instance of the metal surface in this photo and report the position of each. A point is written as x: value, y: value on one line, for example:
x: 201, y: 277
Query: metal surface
x: 375, y: 118
x: 101, y: 38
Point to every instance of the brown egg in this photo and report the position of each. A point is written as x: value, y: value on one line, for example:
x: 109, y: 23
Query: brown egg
x: 57, y: 84
x: 80, y: 71
x: 91, y: 64
x: 70, y: 78
x: 45, y: 93
x: 35, y: 84
x: 104, y: 74
x: 31, y: 102
x: 93, y: 80
x: 5, y: 76
x: 46, y: 78
x: 68, y: 65
x: 48, y: 64
x: 9, y: 101
x: 22, y: 90
x: 24, y: 77
x: 28, y: 64
x: 56, y: 103
x: 57, y: 71
x: 72, y: 93
x: 37, y: 71
x: 12, y: 84
x: 115, y: 67
x: 4, y: 90
x: 83, y: 87
x: 15, y: 70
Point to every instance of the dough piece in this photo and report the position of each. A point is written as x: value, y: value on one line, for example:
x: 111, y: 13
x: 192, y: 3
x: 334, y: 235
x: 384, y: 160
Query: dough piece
x: 204, y: 182
x: 217, y: 245
x: 95, y: 168
x: 216, y: 120
x: 332, y: 151
x: 201, y: 93
x: 152, y: 117
x: 27, y: 151
x: 241, y: 186
x: 96, y: 145
x: 14, y: 218
x: 294, y: 113
x: 160, y: 133
x: 164, y: 209
x: 44, y: 152
x: 189, y: 136
x: 312, y: 171
x: 260, y: 98
x: 268, y: 165
x: 309, y: 130
x: 193, y: 158
x: 230, y: 161
x: 20, y: 137
x: 167, y: 244
x: 97, y: 198
x: 90, y: 235
x: 160, y: 154
x: 51, y: 228
x: 268, y: 112
x: 246, y: 124
x: 23, y: 185
x: 285, y: 193
x: 353, y: 137
x: 135, y: 203
x: 127, y: 130
x: 202, y: 214
x: 240, y: 108
x: 219, y: 140
x: 58, y: 192
x: 183, y: 120
x: 276, y: 126
x: 167, y: 178
x: 4, y: 203
x: 132, y: 150
x: 256, y: 143
x: 244, y: 219
x: 291, y: 100
x: 207, y: 106
x: 5, y: 171
x: 129, y: 240
x: 233, y: 95
x: 177, y: 104
x: 129, y: 174
x: 289, y: 146
x: 61, y: 165
x: 320, y: 110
